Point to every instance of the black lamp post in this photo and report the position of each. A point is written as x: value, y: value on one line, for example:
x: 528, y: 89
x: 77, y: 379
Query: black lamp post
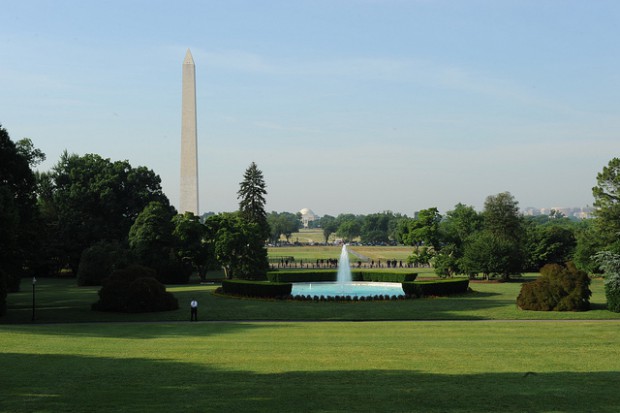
x: 34, y: 282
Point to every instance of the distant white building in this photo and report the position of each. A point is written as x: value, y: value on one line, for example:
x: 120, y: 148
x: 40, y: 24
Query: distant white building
x: 307, y: 216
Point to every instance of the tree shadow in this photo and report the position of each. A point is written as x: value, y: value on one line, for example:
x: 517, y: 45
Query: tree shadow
x: 102, y: 384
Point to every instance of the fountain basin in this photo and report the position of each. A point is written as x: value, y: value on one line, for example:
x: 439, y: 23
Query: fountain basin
x: 351, y: 289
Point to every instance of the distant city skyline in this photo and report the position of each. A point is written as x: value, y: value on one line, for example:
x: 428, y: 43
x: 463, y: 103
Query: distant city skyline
x: 356, y: 106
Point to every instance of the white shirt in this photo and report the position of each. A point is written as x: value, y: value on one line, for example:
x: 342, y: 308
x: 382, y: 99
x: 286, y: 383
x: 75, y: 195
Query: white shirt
x: 194, y: 303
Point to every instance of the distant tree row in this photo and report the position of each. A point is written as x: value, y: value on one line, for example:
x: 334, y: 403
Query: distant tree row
x: 90, y: 216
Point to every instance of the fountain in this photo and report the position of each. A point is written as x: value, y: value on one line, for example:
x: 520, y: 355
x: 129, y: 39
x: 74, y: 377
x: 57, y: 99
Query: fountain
x: 344, y: 286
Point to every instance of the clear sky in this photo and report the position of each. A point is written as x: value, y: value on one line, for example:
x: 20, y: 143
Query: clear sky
x: 345, y: 105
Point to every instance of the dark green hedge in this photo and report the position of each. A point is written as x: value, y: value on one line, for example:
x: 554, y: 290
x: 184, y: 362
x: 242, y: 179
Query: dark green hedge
x: 437, y: 287
x: 384, y: 276
x: 559, y: 288
x: 613, y: 298
x: 299, y: 276
x: 264, y: 289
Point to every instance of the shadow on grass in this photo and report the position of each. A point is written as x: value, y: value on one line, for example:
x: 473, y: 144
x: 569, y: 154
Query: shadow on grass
x: 55, y: 383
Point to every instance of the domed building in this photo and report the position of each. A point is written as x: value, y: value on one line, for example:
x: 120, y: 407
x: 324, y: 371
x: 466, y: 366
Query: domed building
x: 307, y: 216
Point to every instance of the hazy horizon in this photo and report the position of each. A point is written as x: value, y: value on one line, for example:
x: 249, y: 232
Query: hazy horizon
x: 355, y: 106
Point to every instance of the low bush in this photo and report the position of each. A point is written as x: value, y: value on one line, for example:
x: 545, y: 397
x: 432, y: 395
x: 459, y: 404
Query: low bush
x: 296, y: 276
x: 609, y: 262
x: 384, y: 276
x: 559, y: 288
x: 263, y: 289
x: 436, y: 287
x: 134, y: 290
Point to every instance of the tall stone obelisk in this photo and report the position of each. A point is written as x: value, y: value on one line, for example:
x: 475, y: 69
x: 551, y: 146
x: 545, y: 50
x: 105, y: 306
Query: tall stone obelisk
x: 189, y: 139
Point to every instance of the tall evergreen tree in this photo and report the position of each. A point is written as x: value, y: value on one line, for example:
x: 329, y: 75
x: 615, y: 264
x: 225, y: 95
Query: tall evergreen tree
x: 251, y: 197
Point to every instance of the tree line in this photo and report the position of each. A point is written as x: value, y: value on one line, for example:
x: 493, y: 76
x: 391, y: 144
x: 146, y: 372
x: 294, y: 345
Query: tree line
x: 89, y: 215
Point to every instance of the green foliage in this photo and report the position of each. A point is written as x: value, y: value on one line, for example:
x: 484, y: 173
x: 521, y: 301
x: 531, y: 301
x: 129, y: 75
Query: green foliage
x: 239, y: 246
x: 421, y: 256
x: 607, y: 199
x: 251, y: 197
x: 192, y: 243
x: 18, y: 212
x: 89, y: 198
x: 284, y: 223
x: 436, y: 288
x: 379, y: 228
x: 3, y: 293
x: 492, y: 255
x: 549, y: 244
x: 313, y: 275
x: 329, y: 225
x: 261, y: 289
x: 99, y: 261
x: 422, y: 230
x: 293, y: 276
x: 134, y: 290
x: 153, y: 244
x: 349, y: 227
x: 559, y: 288
x: 610, y: 264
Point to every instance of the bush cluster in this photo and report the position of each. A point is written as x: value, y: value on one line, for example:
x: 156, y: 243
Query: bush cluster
x: 263, y: 289
x: 559, y: 288
x: 436, y: 287
x: 134, y: 290
x: 332, y: 275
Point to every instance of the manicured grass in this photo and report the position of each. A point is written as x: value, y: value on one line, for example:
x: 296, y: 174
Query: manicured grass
x: 59, y: 301
x: 445, y: 366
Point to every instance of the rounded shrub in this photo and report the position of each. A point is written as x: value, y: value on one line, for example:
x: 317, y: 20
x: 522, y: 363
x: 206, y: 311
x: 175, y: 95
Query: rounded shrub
x: 134, y: 289
x: 559, y: 288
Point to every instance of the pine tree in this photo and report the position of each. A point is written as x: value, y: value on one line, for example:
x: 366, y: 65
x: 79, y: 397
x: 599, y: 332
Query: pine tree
x: 252, y: 199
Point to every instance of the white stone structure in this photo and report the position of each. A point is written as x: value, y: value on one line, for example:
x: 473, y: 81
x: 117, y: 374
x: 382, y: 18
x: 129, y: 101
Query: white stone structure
x: 307, y: 216
x: 189, y: 139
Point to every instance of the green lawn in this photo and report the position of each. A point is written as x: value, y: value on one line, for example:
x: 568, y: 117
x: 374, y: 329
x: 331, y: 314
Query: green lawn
x: 478, y: 353
x: 447, y: 366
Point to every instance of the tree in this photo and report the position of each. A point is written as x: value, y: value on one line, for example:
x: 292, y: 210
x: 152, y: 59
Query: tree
x: 329, y: 225
x: 548, y: 244
x: 349, y: 227
x: 610, y: 264
x: 192, y: 244
x: 153, y: 244
x: 252, y: 199
x: 89, y: 198
x: 497, y: 249
x: 455, y: 229
x: 238, y: 246
x: 18, y: 213
x: 379, y: 228
x: 607, y: 201
x: 422, y: 230
x: 285, y: 223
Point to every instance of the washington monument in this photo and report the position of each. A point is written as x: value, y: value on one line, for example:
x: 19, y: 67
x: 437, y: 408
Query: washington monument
x: 189, y: 153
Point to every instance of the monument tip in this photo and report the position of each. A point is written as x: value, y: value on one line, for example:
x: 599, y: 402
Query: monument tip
x: 189, y: 59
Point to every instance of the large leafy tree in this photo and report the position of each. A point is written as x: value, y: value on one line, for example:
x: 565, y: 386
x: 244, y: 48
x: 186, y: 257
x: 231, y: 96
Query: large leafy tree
x: 607, y: 201
x: 18, y: 213
x: 193, y: 244
x: 497, y: 249
x: 238, y: 246
x: 349, y: 227
x: 456, y: 228
x: 422, y: 230
x: 89, y: 198
x: 329, y: 225
x: 153, y: 243
x: 379, y: 227
x: 284, y: 223
x: 251, y: 197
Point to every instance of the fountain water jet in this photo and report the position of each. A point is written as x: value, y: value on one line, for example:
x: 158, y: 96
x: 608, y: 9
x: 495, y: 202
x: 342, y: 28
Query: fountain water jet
x: 344, y: 268
x: 344, y: 286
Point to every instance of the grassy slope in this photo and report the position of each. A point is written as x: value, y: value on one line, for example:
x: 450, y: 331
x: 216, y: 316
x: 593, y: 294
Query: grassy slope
x: 61, y: 301
x: 311, y: 367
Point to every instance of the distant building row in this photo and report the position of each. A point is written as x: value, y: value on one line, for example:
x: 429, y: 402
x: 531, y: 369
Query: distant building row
x: 579, y: 213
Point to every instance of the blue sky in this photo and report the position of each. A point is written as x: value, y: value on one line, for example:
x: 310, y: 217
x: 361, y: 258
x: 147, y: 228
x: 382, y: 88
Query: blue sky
x: 345, y: 105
